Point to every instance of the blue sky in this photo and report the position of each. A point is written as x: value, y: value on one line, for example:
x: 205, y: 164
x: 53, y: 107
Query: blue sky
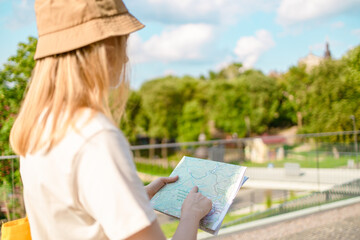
x: 193, y: 37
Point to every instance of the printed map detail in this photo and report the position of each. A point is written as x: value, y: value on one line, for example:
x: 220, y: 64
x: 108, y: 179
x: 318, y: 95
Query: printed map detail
x: 218, y: 181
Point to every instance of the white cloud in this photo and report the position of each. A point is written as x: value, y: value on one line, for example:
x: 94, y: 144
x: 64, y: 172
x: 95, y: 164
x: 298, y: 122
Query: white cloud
x: 184, y: 42
x: 211, y: 11
x: 356, y: 32
x: 248, y: 49
x: 296, y: 11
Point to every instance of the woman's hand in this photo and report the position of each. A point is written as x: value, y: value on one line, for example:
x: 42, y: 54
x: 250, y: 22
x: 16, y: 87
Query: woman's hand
x: 195, y: 206
x: 158, y: 183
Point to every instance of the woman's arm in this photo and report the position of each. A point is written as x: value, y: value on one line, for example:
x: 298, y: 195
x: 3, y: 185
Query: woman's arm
x: 194, y: 208
x: 152, y: 232
x: 187, y: 230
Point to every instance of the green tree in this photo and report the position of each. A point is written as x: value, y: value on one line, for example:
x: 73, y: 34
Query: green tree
x: 295, y: 84
x: 333, y: 95
x: 163, y: 101
x: 263, y: 100
x: 162, y: 107
x: 249, y: 103
x: 14, y: 76
x: 192, y: 122
x: 231, y: 71
x: 130, y: 123
x: 227, y: 106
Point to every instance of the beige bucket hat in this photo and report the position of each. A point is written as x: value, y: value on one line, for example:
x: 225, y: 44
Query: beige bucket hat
x: 66, y: 25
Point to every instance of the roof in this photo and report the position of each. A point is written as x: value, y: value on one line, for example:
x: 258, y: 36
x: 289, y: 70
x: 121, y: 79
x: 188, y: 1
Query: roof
x: 273, y: 140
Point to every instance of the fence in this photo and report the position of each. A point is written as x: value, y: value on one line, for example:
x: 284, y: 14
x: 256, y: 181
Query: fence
x: 339, y: 192
x: 12, y: 205
x: 308, y: 150
x: 320, y: 159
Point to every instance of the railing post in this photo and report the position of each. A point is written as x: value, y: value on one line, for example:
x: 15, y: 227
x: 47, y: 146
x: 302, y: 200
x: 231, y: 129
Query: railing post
x: 252, y: 197
x: 317, y: 163
x: 355, y: 140
x: 13, y: 189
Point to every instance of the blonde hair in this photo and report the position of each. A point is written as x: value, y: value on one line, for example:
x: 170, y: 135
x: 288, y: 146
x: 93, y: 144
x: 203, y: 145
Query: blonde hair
x: 62, y: 86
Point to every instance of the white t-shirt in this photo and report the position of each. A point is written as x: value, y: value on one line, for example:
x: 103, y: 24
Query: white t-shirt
x: 86, y: 187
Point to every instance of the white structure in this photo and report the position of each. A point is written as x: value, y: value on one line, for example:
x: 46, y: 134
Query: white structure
x: 312, y: 60
x: 264, y: 149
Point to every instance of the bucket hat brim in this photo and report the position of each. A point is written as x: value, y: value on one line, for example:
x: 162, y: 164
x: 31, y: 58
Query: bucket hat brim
x: 86, y: 33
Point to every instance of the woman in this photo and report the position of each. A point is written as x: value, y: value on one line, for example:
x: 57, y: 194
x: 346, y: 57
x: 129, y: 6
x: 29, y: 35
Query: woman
x: 76, y: 166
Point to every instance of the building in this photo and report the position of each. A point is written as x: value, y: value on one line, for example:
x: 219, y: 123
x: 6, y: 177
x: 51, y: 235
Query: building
x: 265, y: 149
x: 312, y: 60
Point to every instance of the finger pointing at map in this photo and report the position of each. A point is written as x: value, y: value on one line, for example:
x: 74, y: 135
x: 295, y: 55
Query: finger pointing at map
x: 196, y: 205
x: 194, y: 189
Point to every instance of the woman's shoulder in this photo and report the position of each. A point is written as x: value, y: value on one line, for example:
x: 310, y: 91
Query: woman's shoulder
x: 90, y: 127
x: 91, y: 123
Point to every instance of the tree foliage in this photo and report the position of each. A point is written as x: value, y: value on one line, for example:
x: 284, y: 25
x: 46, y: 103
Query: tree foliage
x: 333, y: 95
x: 14, y: 76
x: 251, y: 103
x: 247, y: 103
x: 243, y: 102
x: 192, y: 122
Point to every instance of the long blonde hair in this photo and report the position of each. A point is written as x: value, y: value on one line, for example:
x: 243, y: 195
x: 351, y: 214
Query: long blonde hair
x: 88, y: 77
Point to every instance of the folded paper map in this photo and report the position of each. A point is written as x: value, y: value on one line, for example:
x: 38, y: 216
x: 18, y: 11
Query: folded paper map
x: 218, y: 181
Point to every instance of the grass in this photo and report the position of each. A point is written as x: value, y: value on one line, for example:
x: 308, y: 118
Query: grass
x: 308, y: 162
x: 170, y: 228
x: 292, y: 197
x: 153, y: 169
x: 229, y: 217
x: 145, y: 182
x: 304, y: 159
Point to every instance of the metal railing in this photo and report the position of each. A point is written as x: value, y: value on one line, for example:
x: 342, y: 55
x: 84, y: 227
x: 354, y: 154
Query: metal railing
x: 11, y: 193
x: 311, y: 151
x: 337, y: 193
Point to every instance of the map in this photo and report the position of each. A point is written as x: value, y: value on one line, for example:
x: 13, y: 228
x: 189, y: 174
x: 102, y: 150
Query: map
x: 218, y: 181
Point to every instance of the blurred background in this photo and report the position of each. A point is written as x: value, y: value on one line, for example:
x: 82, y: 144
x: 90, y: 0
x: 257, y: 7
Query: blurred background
x: 271, y: 85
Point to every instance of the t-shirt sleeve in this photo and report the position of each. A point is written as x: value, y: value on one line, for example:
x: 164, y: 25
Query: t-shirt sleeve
x: 108, y: 186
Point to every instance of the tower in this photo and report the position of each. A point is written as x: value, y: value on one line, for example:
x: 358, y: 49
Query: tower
x: 327, y: 54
